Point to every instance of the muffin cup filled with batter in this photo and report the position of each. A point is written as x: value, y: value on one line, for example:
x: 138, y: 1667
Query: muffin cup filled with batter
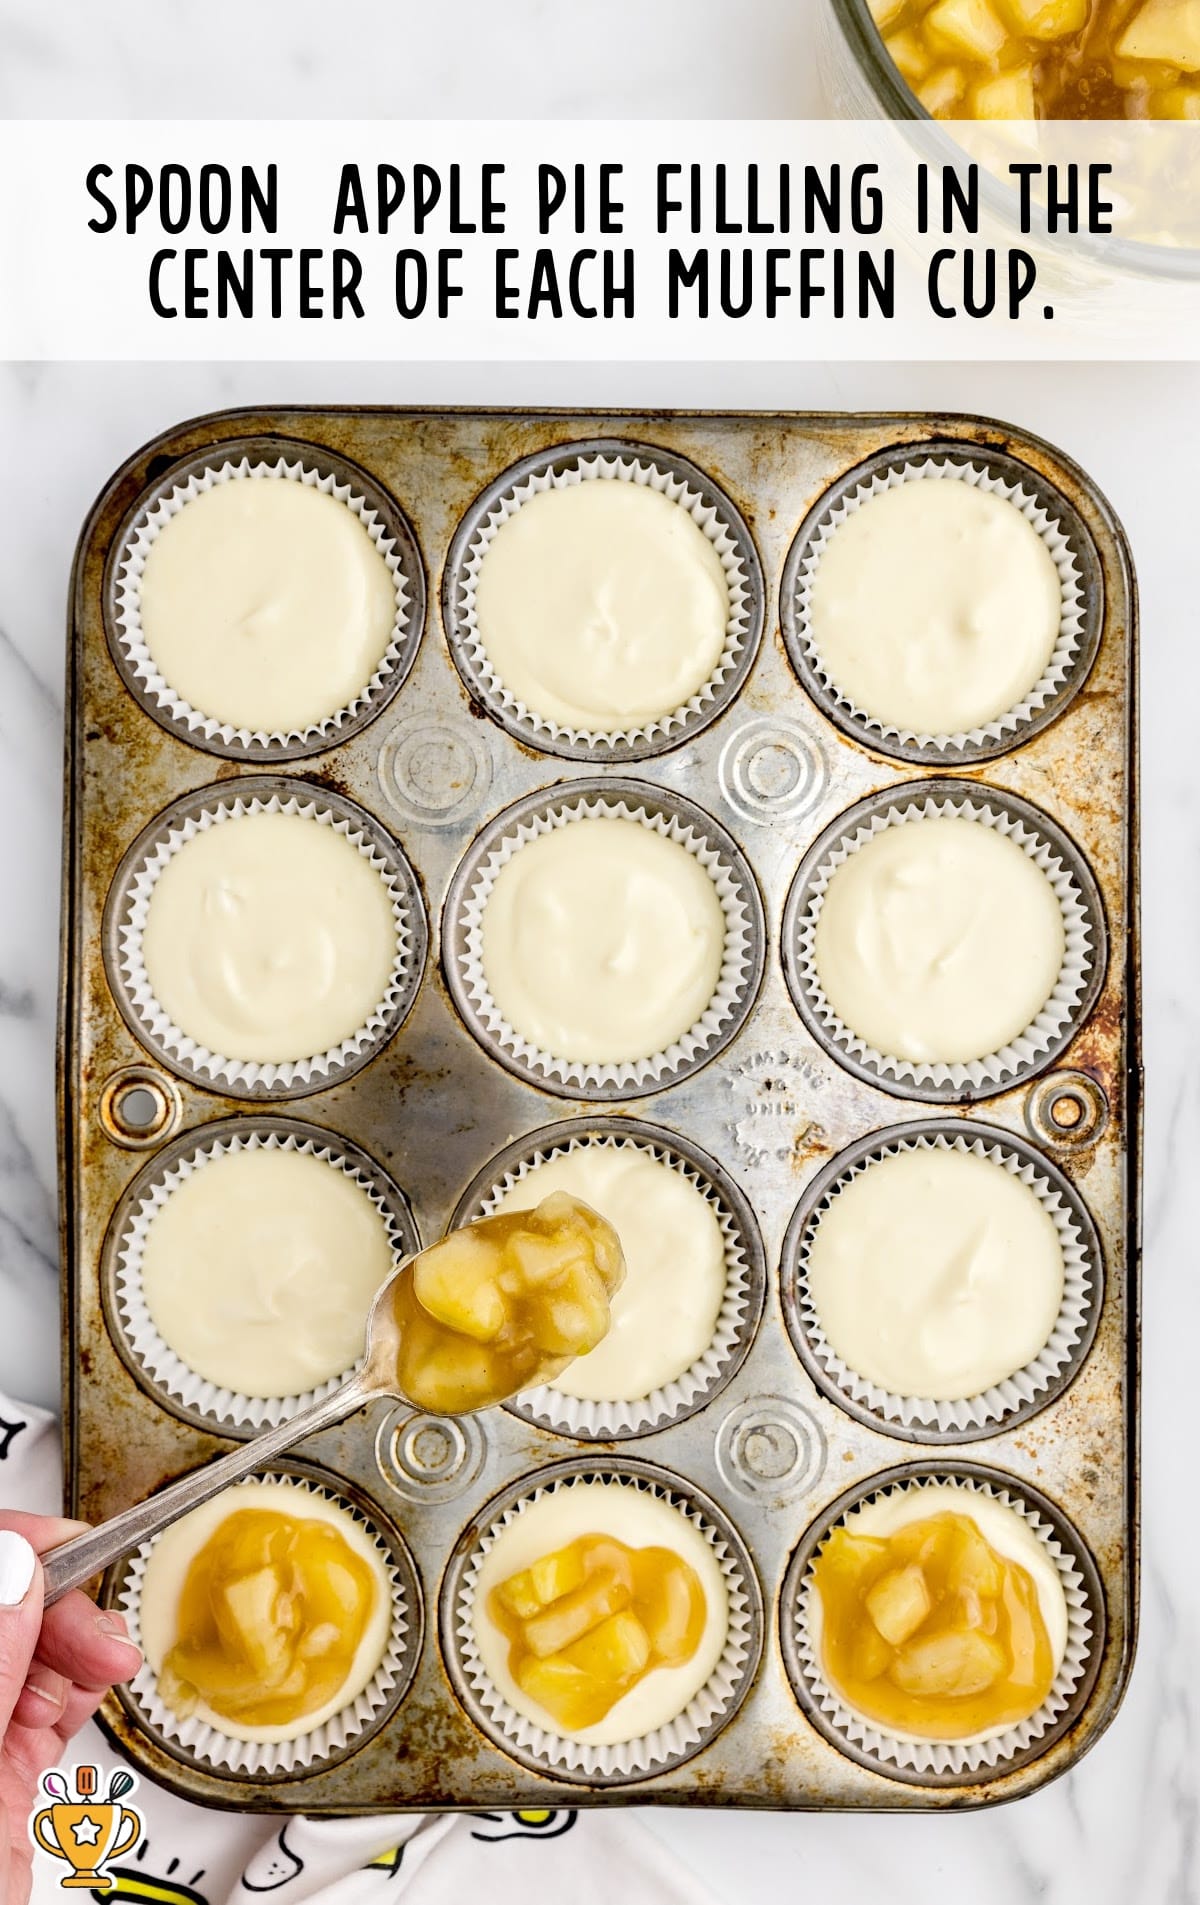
x: 241, y: 1264
x: 604, y: 938
x: 604, y: 601
x: 676, y: 1709
x: 264, y: 607
x: 272, y: 918
x: 1020, y: 1527
x: 941, y: 1283
x: 942, y: 608
x: 695, y: 1277
x: 943, y: 942
x: 379, y: 1675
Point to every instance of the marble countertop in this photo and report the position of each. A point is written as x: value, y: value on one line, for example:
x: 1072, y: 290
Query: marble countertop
x: 1124, y: 1828
x: 295, y: 59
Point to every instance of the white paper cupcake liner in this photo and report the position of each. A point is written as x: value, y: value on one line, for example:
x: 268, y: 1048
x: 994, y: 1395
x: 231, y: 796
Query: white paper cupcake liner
x: 962, y: 1759
x: 736, y: 1320
x: 202, y: 1741
x: 158, y: 694
x: 705, y: 1714
x: 675, y: 820
x: 713, y: 514
x: 1057, y: 676
x: 160, y: 1365
x: 130, y: 904
x: 996, y: 1406
x: 1083, y: 956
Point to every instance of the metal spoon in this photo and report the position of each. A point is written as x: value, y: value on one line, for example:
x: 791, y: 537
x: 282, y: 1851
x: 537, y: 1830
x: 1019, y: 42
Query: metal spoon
x: 77, y: 1560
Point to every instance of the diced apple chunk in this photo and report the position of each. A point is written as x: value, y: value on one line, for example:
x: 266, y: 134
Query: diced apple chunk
x: 616, y: 1650
x: 898, y: 1603
x: 574, y: 1317
x: 292, y: 1687
x: 572, y: 1329
x: 247, y: 1617
x: 975, y: 1566
x: 1008, y: 96
x: 1177, y: 102
x: 872, y: 1655
x: 607, y: 1254
x: 519, y: 1595
x: 569, y: 1695
x: 949, y: 1665
x: 341, y: 1585
x: 455, y: 1282
x: 321, y: 1640
x: 572, y: 1617
x: 846, y: 1554
x: 941, y: 91
x: 537, y: 1259
x: 557, y: 1574
x: 969, y: 29
x: 224, y: 1682
x: 911, y: 59
x: 559, y: 1211
x: 249, y: 1600
x: 1165, y: 31
x: 883, y: 12
x: 1047, y: 19
x: 605, y: 1615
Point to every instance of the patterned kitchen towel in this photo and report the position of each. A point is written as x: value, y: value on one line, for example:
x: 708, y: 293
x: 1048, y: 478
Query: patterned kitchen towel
x: 189, y: 1855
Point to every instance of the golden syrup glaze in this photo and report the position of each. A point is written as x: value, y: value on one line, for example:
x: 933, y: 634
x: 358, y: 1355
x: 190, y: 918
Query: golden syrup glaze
x: 270, y: 1618
x: 587, y: 1622
x: 929, y: 1631
x: 1048, y: 59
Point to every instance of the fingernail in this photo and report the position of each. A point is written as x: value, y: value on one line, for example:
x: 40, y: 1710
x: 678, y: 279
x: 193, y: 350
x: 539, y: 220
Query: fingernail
x: 113, y: 1628
x: 48, y: 1686
x: 17, y: 1562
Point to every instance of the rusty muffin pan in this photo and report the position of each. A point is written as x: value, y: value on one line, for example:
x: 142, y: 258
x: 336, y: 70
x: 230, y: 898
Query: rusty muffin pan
x: 768, y: 1114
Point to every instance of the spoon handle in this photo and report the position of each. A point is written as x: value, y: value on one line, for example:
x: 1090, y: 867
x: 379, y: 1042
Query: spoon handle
x: 77, y: 1560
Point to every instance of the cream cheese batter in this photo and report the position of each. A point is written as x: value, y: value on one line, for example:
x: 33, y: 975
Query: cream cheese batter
x: 939, y: 940
x: 177, y: 1547
x: 602, y: 606
x: 1007, y: 1532
x: 641, y: 1521
x: 935, y: 606
x: 665, y: 1313
x: 265, y: 604
x: 260, y: 1268
x: 269, y: 937
x: 603, y: 941
x: 936, y: 1273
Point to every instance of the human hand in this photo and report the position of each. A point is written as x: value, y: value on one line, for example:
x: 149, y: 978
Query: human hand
x: 56, y: 1664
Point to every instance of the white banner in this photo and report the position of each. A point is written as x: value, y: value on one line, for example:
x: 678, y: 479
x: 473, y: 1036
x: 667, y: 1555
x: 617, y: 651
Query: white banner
x: 536, y: 240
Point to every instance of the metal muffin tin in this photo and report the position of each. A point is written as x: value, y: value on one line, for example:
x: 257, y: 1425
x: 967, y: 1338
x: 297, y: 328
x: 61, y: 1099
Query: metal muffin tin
x: 767, y: 1448
x: 898, y: 1076
x: 840, y: 1171
x: 998, y: 467
x: 179, y: 1055
x: 609, y: 749
x: 618, y: 793
x: 329, y: 470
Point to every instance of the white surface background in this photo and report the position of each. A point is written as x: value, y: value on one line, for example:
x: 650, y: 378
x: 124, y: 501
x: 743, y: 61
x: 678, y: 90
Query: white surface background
x: 1124, y: 1829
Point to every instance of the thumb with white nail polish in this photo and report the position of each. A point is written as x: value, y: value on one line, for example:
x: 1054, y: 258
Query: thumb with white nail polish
x: 20, y: 1619
x: 17, y: 1564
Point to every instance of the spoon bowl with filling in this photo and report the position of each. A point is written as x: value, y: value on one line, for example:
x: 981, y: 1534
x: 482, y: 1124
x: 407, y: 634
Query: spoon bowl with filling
x: 494, y: 1308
